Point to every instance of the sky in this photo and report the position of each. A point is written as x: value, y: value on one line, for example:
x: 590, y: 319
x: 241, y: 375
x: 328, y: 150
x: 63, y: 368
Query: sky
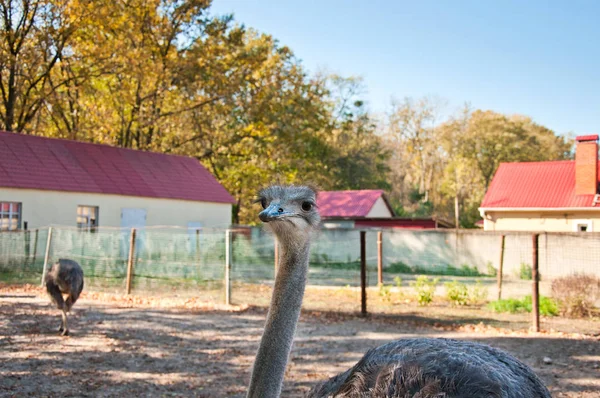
x: 533, y: 57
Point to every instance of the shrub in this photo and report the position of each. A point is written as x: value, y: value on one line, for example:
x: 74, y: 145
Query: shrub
x: 525, y: 272
x: 400, y: 268
x: 457, y: 293
x: 491, y: 270
x: 467, y: 270
x: 576, y: 294
x: 478, y: 293
x: 425, y: 288
x: 461, y: 294
x: 548, y: 307
x: 398, y: 281
x: 384, y: 292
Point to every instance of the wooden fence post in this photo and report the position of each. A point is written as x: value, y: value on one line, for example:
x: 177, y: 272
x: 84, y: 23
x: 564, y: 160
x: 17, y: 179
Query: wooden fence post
x: 46, y: 256
x: 130, y: 260
x: 501, y: 266
x: 363, y: 273
x: 380, y: 258
x: 276, y: 257
x: 227, y: 267
x: 535, y: 298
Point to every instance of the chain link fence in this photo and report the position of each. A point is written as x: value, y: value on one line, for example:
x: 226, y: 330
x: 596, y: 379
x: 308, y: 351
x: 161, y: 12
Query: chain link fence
x: 239, y: 264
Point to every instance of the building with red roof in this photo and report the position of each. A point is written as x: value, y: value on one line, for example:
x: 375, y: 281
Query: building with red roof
x: 47, y: 181
x: 546, y: 196
x: 366, y: 208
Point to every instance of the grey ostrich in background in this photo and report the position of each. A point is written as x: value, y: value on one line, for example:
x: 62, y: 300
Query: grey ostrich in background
x: 65, y: 277
x: 420, y: 367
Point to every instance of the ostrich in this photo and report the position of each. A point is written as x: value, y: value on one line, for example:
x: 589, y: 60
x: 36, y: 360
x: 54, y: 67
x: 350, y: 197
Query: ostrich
x: 420, y: 367
x: 65, y: 277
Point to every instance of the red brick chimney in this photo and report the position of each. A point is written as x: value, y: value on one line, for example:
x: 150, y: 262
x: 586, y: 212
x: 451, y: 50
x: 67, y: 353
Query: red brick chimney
x: 586, y: 165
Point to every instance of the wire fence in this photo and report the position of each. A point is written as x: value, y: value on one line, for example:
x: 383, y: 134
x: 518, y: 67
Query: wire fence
x: 238, y: 265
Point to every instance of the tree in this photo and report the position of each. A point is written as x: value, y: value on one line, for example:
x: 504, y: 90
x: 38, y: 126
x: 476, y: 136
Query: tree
x: 492, y: 138
x: 34, y: 38
x: 357, y: 155
x: 412, y: 137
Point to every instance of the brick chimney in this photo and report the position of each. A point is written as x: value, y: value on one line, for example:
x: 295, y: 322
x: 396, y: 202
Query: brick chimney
x: 586, y: 165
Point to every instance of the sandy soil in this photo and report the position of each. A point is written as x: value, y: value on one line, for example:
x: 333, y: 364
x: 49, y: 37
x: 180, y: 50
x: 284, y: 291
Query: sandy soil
x: 157, y: 347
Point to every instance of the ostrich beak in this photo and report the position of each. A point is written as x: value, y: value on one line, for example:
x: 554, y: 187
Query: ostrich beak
x: 272, y: 213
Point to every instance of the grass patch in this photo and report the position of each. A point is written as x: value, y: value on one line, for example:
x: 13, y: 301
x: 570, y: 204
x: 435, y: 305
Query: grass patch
x: 448, y: 270
x: 548, y: 306
x: 352, y: 265
x: 425, y: 289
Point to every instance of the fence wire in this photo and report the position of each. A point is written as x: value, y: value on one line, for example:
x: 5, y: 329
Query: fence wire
x: 179, y: 261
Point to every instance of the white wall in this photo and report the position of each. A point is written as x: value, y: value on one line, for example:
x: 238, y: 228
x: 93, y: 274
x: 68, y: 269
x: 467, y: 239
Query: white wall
x: 338, y: 224
x: 558, y: 221
x: 379, y: 209
x: 44, y: 208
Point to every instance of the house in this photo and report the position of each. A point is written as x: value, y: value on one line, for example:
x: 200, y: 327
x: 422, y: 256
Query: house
x: 367, y: 208
x: 546, y: 196
x: 47, y: 181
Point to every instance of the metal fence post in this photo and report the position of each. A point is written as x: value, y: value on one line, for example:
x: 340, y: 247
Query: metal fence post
x: 35, y: 242
x: 46, y: 256
x: 501, y: 266
x: 227, y: 267
x: 535, y: 298
x: 130, y: 260
x: 198, y: 258
x: 363, y: 273
x: 380, y: 258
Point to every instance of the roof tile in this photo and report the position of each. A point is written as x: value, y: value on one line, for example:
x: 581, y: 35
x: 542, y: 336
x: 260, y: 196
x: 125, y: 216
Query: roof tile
x: 61, y: 165
x: 535, y: 185
x: 347, y: 203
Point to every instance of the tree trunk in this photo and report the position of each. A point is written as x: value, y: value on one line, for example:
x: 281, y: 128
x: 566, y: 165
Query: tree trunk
x: 12, y: 98
x: 456, y: 212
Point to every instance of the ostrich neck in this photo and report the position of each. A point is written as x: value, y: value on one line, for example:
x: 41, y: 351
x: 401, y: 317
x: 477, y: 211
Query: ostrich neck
x: 276, y: 342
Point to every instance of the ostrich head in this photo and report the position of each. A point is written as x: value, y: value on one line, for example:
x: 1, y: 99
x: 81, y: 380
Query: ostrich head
x: 290, y: 211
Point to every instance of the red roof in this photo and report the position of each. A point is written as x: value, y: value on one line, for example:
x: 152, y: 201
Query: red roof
x: 535, y: 185
x: 348, y: 204
x: 32, y: 162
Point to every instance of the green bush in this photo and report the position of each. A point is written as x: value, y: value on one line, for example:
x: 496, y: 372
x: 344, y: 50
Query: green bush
x: 384, y: 292
x: 457, y: 293
x: 400, y: 268
x: 460, y: 294
x: 548, y: 306
x: 491, y: 270
x: 425, y: 289
x: 398, y: 281
x: 478, y: 293
x: 525, y: 272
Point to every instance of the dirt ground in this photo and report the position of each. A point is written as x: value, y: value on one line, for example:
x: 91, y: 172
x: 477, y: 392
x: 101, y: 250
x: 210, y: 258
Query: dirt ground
x: 133, y: 346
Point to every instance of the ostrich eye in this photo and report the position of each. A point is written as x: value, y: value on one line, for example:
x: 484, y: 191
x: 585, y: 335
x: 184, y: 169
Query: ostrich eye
x: 263, y: 203
x: 306, y: 206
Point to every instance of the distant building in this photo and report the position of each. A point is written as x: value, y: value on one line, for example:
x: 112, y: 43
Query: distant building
x: 46, y: 181
x: 546, y: 196
x: 367, y: 208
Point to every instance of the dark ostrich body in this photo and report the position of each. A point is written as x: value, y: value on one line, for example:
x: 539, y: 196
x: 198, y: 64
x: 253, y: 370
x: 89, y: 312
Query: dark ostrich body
x: 65, y: 277
x: 418, y: 368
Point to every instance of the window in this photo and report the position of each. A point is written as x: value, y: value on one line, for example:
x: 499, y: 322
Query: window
x: 10, y: 216
x: 582, y: 225
x: 87, y: 217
